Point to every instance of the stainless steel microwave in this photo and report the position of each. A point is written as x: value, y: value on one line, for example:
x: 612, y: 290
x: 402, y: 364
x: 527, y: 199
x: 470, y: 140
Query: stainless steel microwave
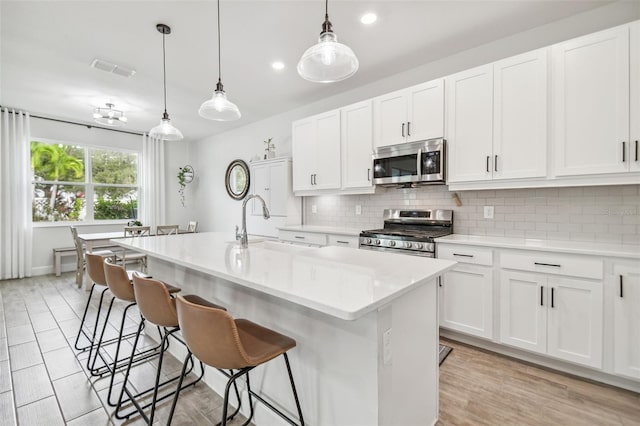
x: 415, y: 163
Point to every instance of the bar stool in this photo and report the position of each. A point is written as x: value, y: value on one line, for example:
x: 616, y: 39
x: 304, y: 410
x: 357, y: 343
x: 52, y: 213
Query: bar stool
x: 156, y: 306
x: 222, y: 342
x: 122, y: 289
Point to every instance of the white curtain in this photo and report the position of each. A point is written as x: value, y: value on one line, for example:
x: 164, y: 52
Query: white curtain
x: 152, y: 202
x: 15, y: 195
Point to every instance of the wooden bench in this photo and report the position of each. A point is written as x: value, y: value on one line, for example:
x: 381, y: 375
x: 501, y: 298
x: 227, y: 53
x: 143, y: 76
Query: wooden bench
x: 60, y: 252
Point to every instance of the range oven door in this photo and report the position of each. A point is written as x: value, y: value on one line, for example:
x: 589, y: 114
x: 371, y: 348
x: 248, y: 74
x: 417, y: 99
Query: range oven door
x: 417, y: 162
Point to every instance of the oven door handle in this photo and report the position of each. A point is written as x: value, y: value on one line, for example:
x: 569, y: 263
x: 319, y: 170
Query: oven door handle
x: 419, y: 164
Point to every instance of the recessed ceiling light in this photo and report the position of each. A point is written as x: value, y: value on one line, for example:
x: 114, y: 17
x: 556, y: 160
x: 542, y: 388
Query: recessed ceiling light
x: 369, y: 18
x: 277, y: 65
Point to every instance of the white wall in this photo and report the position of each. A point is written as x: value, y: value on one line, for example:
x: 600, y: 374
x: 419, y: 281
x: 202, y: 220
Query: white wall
x: 217, y: 211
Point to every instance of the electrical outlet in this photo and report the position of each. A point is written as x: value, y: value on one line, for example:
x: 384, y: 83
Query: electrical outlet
x: 358, y: 209
x: 314, y: 208
x: 488, y: 212
x: 386, y: 347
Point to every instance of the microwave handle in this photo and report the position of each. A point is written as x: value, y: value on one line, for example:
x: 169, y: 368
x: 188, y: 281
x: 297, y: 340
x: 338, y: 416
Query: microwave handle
x: 419, y: 168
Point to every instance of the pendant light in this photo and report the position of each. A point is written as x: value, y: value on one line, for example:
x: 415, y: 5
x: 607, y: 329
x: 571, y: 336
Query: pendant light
x: 219, y: 108
x: 165, y: 130
x: 328, y: 61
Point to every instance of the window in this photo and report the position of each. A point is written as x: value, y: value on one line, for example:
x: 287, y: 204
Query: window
x: 66, y: 176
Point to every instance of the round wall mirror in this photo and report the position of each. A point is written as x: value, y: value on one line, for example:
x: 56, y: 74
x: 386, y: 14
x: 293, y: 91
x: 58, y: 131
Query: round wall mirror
x: 237, y: 179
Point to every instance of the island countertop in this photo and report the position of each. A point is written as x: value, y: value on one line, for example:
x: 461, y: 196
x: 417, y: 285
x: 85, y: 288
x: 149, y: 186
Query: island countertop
x: 342, y: 282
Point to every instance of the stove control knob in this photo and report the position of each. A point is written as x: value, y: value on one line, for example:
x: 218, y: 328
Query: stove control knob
x: 367, y: 240
x: 392, y: 243
x: 419, y: 246
x: 407, y: 244
x: 377, y: 242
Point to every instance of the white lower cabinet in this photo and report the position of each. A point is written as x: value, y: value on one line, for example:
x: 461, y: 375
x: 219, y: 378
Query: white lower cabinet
x: 625, y: 290
x: 557, y: 316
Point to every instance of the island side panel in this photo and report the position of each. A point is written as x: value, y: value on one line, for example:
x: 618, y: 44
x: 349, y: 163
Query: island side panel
x: 409, y: 371
x: 335, y: 362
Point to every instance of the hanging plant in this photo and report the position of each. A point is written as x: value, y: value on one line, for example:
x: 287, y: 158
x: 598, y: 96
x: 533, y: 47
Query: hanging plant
x: 185, y: 176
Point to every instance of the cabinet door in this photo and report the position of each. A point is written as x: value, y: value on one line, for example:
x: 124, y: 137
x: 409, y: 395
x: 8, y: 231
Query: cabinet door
x: 575, y: 321
x: 260, y: 183
x: 389, y: 120
x: 425, y: 118
x: 470, y: 124
x: 279, y: 189
x: 591, y: 103
x: 303, y: 153
x: 523, y: 310
x: 327, y: 175
x: 467, y: 300
x: 357, y: 145
x: 626, y: 320
x: 520, y: 116
x: 634, y: 142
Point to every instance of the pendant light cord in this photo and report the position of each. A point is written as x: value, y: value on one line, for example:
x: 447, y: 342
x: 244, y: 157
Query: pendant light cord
x: 164, y: 73
x: 219, y: 56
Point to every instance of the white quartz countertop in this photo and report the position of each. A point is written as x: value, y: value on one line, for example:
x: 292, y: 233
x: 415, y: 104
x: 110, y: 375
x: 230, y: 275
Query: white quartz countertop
x: 343, y: 282
x: 576, y: 247
x: 322, y: 229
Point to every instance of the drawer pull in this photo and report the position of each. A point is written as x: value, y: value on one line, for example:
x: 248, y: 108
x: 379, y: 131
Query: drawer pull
x: 541, y: 295
x: 552, y: 297
x: 369, y: 175
x: 462, y: 255
x: 621, y: 289
x: 299, y: 237
x: 342, y: 242
x: 547, y: 264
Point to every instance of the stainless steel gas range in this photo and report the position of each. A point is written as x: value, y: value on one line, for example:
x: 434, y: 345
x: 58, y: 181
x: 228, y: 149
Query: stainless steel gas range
x: 409, y: 231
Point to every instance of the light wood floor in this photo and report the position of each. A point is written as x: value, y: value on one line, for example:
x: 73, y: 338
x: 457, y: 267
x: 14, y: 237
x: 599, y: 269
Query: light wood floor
x: 43, y: 382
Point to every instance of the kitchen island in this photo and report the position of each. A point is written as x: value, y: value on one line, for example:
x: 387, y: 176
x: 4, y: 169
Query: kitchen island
x: 365, y: 322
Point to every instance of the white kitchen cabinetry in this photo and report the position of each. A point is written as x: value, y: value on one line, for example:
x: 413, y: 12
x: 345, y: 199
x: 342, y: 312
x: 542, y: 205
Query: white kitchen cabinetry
x: 272, y: 181
x: 626, y: 319
x: 343, y: 240
x: 466, y: 292
x: 634, y: 148
x: 497, y: 120
x: 409, y: 115
x: 591, y: 103
x: 357, y: 145
x: 316, y: 152
x: 311, y: 239
x: 543, y: 311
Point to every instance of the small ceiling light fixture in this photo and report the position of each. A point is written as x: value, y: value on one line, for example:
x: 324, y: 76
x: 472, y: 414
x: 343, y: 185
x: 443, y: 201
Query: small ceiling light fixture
x: 368, y: 18
x: 327, y: 61
x: 219, y: 108
x: 165, y: 130
x: 277, y: 65
x: 109, y: 116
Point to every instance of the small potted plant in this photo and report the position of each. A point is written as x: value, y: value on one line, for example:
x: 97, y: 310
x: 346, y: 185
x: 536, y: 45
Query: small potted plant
x: 269, y: 149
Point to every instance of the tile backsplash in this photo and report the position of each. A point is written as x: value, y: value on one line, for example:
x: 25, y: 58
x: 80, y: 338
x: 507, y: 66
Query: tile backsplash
x: 608, y: 214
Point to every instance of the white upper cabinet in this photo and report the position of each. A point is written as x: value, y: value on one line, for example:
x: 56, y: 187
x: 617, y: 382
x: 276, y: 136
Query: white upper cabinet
x: 591, y: 103
x: 520, y: 116
x: 497, y: 120
x: 316, y: 152
x: 409, y: 115
x: 270, y: 180
x: 634, y: 154
x: 470, y: 124
x: 357, y: 145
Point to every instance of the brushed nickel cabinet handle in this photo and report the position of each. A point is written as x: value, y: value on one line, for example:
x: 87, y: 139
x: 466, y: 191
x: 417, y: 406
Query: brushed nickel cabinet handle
x: 342, y: 242
x: 298, y: 237
x: 403, y: 130
x: 547, y: 264
x: 408, y: 128
x: 462, y: 255
x: 369, y: 175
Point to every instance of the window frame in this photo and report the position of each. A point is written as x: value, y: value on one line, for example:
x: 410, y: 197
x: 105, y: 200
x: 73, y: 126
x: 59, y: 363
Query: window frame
x: 88, y: 183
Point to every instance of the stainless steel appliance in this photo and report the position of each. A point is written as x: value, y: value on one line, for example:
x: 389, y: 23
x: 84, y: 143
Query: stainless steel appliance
x: 409, y: 231
x: 408, y: 164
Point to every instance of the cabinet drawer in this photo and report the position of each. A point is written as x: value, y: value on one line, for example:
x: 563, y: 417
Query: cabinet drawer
x: 465, y: 254
x: 304, y: 237
x: 343, y: 240
x: 552, y: 263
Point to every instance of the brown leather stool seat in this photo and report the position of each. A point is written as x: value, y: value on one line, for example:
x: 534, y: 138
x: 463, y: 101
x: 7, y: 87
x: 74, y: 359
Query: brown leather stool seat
x: 120, y: 285
x: 222, y: 342
x: 157, y: 307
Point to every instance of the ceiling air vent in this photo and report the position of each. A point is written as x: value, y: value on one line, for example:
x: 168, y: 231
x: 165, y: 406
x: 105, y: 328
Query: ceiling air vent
x: 112, y: 68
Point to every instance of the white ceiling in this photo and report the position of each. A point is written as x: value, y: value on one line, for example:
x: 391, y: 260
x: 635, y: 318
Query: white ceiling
x: 47, y: 47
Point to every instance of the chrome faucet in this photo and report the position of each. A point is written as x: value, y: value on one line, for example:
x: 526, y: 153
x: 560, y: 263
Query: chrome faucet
x: 242, y: 235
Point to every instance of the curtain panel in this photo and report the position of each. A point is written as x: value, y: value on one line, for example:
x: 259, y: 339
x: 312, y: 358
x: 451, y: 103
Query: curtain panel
x: 152, y: 201
x: 15, y: 195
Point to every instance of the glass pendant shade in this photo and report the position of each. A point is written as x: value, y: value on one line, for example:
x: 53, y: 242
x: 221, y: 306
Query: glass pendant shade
x: 166, y: 131
x: 328, y: 61
x: 219, y: 108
